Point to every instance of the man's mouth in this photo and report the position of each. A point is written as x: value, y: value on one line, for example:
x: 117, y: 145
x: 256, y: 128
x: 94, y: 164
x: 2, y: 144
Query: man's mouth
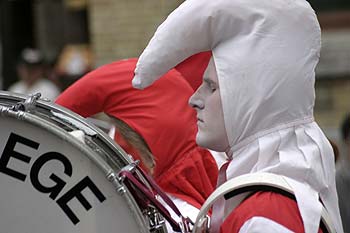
x: 200, y: 120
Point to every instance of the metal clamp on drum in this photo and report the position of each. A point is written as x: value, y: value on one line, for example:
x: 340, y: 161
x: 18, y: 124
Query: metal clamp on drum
x: 28, y: 104
x: 237, y: 189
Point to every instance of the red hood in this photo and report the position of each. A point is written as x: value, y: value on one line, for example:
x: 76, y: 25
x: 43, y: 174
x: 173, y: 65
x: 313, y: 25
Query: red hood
x: 193, y: 68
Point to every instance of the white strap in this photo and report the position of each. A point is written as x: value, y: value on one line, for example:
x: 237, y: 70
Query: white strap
x: 219, y: 205
x: 242, y: 185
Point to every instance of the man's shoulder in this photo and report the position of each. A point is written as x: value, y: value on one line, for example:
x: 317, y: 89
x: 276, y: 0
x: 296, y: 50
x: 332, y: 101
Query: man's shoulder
x: 267, y: 204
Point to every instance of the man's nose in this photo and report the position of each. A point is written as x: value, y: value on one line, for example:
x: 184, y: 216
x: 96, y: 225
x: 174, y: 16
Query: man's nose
x: 196, y: 102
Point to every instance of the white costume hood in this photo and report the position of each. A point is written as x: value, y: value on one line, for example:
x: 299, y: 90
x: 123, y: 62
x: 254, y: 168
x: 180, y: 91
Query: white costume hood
x: 265, y: 53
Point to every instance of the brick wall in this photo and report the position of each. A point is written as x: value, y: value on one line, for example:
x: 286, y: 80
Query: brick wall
x: 122, y: 28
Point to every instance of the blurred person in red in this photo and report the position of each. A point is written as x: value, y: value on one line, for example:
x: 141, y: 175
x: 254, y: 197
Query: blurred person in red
x: 155, y: 126
x: 31, y: 72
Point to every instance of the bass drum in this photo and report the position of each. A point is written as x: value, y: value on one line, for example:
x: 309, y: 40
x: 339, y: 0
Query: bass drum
x: 52, y: 181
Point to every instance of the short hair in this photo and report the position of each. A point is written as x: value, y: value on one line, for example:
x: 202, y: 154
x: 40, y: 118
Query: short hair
x: 345, y: 127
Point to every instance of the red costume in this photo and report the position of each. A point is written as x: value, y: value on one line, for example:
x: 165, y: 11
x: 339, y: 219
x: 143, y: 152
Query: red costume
x: 161, y: 115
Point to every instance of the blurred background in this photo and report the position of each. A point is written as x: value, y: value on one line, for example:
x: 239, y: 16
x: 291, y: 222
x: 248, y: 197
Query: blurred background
x: 76, y: 36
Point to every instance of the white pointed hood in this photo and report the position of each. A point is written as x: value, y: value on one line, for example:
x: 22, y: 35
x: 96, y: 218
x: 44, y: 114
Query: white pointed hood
x: 265, y: 53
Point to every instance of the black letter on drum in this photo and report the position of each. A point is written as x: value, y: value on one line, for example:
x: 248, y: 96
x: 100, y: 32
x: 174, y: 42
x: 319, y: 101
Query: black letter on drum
x: 9, y: 152
x: 34, y: 173
x: 76, y: 192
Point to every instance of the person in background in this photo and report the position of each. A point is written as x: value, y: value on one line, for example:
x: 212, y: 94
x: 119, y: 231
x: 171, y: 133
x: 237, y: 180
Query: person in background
x: 343, y: 174
x: 255, y: 104
x: 155, y: 126
x: 31, y: 70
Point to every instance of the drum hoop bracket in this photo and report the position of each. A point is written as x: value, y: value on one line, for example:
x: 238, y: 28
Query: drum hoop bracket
x: 28, y: 104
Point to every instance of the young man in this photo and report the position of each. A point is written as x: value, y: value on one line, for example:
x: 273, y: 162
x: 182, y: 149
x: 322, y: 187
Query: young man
x: 256, y: 102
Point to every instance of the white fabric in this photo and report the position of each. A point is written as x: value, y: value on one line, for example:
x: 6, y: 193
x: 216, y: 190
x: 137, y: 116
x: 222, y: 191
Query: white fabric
x: 261, y: 224
x: 265, y: 53
x: 220, y: 157
x: 47, y: 89
x: 302, y: 154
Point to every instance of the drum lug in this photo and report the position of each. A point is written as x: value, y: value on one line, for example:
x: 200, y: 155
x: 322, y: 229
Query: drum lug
x: 120, y: 179
x: 112, y: 177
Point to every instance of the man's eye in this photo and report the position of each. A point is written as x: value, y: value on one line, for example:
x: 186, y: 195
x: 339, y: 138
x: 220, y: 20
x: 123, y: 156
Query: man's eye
x: 210, y: 85
x: 213, y: 88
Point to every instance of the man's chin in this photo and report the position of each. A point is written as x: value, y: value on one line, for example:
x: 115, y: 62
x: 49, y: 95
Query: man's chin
x: 204, y: 142
x: 209, y: 143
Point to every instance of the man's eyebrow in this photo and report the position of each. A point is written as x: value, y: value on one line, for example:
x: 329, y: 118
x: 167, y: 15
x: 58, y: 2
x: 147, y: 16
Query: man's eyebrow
x: 209, y: 81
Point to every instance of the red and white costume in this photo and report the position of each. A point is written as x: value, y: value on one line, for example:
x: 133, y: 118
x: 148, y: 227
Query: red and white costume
x: 161, y: 115
x: 265, y: 53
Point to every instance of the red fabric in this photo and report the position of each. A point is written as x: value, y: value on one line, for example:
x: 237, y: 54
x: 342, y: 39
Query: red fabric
x: 160, y: 114
x: 194, y: 174
x: 194, y: 67
x: 271, y: 205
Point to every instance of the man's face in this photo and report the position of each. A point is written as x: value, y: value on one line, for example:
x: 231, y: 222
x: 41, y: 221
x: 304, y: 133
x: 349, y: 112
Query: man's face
x: 210, y: 119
